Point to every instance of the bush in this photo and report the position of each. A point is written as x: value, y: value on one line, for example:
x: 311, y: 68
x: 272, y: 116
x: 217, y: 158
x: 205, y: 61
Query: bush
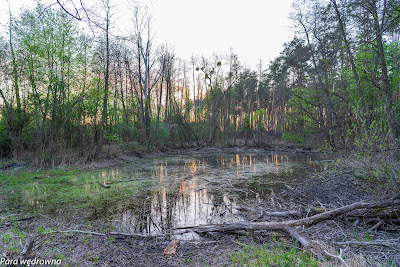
x: 163, y: 134
x: 293, y: 137
x: 374, y: 156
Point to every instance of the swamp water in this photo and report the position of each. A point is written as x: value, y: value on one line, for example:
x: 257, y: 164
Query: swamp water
x: 198, y: 187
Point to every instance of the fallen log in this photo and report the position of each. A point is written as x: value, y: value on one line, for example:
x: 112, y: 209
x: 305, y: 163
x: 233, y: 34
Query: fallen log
x: 290, y: 223
x: 315, y: 247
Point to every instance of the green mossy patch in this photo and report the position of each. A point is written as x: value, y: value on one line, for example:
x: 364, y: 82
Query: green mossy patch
x: 50, y: 190
x: 269, y: 255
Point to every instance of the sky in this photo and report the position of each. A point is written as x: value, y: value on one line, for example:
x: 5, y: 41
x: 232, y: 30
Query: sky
x: 253, y: 29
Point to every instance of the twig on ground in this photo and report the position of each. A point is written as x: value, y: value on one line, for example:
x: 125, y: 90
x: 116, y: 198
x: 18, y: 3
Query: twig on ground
x: 376, y: 226
x: 25, y: 218
x: 386, y: 243
x: 238, y: 243
x: 339, y: 257
x: 28, y: 247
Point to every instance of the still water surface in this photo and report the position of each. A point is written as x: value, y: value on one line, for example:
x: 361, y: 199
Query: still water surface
x: 201, y: 187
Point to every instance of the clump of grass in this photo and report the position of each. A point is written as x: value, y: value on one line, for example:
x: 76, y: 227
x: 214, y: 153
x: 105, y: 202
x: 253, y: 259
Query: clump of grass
x: 264, y: 255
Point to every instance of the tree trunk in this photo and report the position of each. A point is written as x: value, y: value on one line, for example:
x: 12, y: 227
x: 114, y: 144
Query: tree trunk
x: 364, y: 117
x: 392, y: 123
x: 105, y: 98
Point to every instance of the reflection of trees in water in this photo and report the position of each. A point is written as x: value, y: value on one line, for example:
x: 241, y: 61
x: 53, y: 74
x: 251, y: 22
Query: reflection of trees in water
x: 183, y: 195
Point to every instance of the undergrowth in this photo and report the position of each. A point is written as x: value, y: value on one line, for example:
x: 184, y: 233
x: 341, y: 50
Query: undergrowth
x: 266, y: 255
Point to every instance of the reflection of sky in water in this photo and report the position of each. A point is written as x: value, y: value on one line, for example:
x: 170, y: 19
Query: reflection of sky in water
x: 200, y: 188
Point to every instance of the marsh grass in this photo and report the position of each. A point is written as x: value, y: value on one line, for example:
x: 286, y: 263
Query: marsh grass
x: 268, y: 255
x: 59, y: 189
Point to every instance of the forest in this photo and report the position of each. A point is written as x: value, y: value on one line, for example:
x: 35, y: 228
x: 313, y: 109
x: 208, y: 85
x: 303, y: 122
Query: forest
x: 74, y: 92
x: 65, y: 92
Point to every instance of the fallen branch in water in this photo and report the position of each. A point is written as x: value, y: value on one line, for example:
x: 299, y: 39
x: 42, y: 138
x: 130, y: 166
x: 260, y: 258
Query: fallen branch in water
x: 290, y: 223
x: 318, y: 249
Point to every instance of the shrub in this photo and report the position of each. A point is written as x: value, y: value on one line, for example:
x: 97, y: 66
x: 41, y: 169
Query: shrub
x: 293, y: 137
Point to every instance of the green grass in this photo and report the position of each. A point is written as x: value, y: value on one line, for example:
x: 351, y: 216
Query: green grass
x: 50, y: 190
x: 265, y: 255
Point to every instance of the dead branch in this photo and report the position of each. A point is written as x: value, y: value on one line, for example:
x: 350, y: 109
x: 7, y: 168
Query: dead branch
x: 104, y: 185
x: 28, y: 247
x: 290, y: 223
x: 304, y: 242
x: 339, y: 257
x: 25, y: 218
x: 376, y: 226
x: 387, y: 243
x: 289, y: 213
x: 138, y: 235
x: 75, y: 231
x: 107, y: 234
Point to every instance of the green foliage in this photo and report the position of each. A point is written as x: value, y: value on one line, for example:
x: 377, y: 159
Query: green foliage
x: 58, y: 189
x: 301, y: 113
x: 163, y: 133
x: 260, y: 117
x: 293, y: 137
x: 246, y: 123
x: 271, y: 256
x: 113, y: 139
x: 376, y: 156
x: 60, y: 76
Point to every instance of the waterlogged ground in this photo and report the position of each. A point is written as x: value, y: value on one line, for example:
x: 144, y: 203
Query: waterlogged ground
x: 146, y: 196
x: 198, y: 187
